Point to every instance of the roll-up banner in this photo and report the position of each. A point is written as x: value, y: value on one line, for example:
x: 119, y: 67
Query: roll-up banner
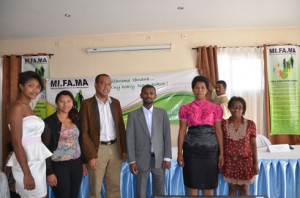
x: 39, y: 64
x: 283, y: 80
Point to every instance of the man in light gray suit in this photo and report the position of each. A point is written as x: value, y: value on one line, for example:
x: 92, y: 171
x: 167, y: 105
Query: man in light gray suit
x: 149, y: 144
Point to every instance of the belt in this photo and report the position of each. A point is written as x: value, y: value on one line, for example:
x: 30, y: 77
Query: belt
x: 152, y: 154
x: 109, y: 142
x: 237, y: 158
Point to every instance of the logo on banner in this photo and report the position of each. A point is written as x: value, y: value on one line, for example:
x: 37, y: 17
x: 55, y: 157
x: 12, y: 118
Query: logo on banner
x: 69, y: 83
x: 284, y: 68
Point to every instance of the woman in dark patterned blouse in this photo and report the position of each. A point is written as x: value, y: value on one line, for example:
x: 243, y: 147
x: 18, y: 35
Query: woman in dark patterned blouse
x: 240, y: 153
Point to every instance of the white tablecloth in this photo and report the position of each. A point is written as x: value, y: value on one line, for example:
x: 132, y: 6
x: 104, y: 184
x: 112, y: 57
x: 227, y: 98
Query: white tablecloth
x: 263, y: 153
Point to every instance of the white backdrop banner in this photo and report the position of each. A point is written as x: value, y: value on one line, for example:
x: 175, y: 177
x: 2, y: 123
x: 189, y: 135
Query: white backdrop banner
x: 173, y: 89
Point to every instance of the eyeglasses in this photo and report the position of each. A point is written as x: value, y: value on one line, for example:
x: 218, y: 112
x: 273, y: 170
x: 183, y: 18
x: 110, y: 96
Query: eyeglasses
x: 237, y: 107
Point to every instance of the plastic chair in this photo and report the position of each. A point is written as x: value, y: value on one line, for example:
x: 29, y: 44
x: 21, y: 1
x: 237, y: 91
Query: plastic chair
x: 262, y: 141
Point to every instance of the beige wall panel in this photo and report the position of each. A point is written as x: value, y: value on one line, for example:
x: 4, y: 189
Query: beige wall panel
x: 71, y: 59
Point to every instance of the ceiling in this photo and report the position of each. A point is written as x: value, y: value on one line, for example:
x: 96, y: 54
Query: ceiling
x: 31, y: 19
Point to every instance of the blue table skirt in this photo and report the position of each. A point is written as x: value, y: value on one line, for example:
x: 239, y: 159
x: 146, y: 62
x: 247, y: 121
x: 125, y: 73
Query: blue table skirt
x: 277, y: 178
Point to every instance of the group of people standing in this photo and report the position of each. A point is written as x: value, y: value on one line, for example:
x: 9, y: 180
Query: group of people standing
x: 69, y: 144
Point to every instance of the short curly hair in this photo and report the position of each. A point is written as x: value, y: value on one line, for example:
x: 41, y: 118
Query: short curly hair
x: 200, y: 79
x: 240, y: 99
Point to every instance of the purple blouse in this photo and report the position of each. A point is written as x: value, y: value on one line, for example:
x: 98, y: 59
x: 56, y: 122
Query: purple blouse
x: 200, y: 113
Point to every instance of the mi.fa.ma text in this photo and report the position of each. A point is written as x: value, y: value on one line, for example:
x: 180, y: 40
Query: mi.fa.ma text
x: 289, y: 50
x: 69, y: 83
x: 36, y: 60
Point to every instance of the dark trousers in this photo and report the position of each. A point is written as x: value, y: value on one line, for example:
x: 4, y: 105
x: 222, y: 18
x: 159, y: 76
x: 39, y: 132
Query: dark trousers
x: 69, y: 176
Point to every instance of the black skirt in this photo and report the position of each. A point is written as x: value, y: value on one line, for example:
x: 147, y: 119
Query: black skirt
x: 201, y: 153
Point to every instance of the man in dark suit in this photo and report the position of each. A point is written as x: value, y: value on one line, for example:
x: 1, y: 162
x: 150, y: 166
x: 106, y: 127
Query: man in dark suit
x: 103, y: 138
x: 148, y: 144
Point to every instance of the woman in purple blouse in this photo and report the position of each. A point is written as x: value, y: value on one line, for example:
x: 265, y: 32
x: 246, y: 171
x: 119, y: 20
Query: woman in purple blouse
x: 200, y: 148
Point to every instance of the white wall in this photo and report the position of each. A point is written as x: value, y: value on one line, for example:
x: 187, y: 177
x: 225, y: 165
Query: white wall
x: 71, y: 60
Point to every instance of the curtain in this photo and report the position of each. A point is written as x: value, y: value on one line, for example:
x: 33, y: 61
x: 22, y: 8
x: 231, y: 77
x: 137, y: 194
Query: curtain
x: 1, y: 76
x: 207, y: 65
x: 11, y: 69
x: 266, y: 94
x: 242, y: 69
x: 275, y: 139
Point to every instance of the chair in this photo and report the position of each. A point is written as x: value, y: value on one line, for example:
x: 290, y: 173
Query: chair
x: 262, y: 141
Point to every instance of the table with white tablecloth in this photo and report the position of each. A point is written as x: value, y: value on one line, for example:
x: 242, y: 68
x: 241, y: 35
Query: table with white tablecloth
x: 279, y: 176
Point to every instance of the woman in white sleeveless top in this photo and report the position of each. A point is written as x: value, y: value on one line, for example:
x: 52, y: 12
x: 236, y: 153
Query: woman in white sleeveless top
x: 28, y: 159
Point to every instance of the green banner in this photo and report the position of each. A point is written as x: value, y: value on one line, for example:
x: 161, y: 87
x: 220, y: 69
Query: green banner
x: 40, y: 65
x: 283, y: 80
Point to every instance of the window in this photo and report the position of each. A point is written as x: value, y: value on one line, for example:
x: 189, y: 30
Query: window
x: 243, y: 70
